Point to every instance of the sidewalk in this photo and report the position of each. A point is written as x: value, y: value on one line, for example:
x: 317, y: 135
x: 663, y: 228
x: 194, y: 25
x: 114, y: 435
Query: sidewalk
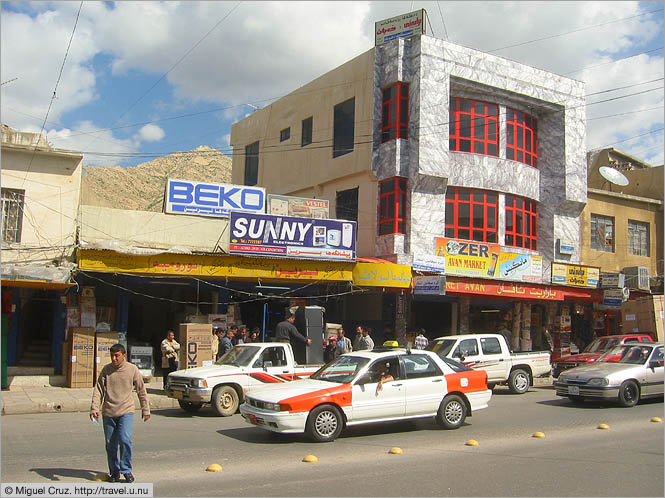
x: 30, y: 399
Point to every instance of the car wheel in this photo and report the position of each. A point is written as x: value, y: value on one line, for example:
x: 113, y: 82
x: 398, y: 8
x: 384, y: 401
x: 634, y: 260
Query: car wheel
x: 225, y: 401
x: 519, y: 381
x: 576, y: 399
x: 452, y: 412
x: 629, y: 393
x: 190, y: 406
x: 324, y: 423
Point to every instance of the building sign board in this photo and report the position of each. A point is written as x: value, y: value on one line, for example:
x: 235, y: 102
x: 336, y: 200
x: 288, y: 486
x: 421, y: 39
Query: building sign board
x: 515, y: 290
x: 433, y: 286
x: 612, y: 280
x: 212, y: 199
x: 429, y: 264
x: 284, y: 236
x: 578, y: 276
x: 403, y: 26
x: 382, y: 275
x: 612, y: 298
x: 284, y: 205
x: 566, y: 247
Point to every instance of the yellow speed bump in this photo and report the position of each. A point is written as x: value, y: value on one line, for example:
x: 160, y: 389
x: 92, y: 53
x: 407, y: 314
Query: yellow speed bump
x: 215, y: 467
x: 471, y: 442
x: 101, y: 477
x: 658, y: 420
x: 395, y: 451
x: 310, y: 459
x: 538, y: 435
x: 603, y: 426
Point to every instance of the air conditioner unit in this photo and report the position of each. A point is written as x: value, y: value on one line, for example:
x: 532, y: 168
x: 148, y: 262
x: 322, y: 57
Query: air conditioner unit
x: 637, y: 277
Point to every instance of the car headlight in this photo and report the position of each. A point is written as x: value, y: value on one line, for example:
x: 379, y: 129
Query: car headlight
x: 598, y: 382
x: 199, y: 383
x: 272, y: 406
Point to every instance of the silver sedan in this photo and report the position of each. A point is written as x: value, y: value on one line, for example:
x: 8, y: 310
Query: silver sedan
x: 626, y: 374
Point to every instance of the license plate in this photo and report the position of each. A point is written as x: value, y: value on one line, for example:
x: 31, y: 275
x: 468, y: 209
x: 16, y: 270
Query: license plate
x: 252, y: 419
x: 177, y: 394
x: 574, y: 390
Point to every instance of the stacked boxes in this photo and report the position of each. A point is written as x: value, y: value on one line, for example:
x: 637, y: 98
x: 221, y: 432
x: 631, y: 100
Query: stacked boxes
x: 88, y: 306
x: 81, y: 357
x: 195, y: 345
x: 644, y: 315
x: 103, y: 342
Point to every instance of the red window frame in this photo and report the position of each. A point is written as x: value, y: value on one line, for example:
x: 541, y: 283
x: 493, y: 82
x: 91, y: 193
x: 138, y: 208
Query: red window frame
x: 521, y: 137
x: 472, y: 214
x: 521, y: 222
x: 395, y: 112
x: 392, y: 205
x: 473, y: 126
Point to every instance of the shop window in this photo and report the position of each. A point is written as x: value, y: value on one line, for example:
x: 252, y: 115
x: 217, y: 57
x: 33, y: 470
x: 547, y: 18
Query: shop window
x: 285, y: 134
x: 306, y: 135
x: 521, y: 137
x: 343, y: 130
x: 347, y: 205
x: 473, y: 127
x: 395, y: 112
x: 12, y: 214
x: 521, y: 222
x: 471, y: 214
x: 638, y: 238
x: 392, y: 205
x: 252, y: 164
x: 602, y: 233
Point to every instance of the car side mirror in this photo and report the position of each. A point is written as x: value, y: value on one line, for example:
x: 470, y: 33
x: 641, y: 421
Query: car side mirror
x: 655, y: 364
x: 267, y: 364
x: 365, y: 379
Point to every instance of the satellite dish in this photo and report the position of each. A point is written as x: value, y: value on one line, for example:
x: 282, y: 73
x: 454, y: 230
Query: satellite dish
x: 613, y: 176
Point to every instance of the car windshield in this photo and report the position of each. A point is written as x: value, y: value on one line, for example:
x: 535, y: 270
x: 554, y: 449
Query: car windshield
x: 602, y: 344
x: 442, y: 347
x: 627, y: 353
x: 239, y: 356
x: 343, y: 370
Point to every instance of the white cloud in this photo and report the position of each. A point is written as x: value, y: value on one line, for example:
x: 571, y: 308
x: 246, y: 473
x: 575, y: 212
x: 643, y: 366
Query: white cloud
x: 150, y: 133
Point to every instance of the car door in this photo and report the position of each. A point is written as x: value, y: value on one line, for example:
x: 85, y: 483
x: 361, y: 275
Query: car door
x: 371, y: 403
x: 492, y: 360
x: 469, y: 351
x: 424, y: 384
x: 654, y: 375
x: 273, y: 362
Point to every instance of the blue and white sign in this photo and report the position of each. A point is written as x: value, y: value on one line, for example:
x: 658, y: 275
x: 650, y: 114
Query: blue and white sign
x: 429, y: 264
x: 212, y: 199
x: 290, y: 237
x: 612, y: 298
x: 433, y: 286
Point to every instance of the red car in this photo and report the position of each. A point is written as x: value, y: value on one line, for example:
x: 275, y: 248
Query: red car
x: 594, y: 350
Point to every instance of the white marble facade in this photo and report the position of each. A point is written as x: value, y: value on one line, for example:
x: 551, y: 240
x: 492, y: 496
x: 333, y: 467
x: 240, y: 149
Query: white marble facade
x: 436, y: 70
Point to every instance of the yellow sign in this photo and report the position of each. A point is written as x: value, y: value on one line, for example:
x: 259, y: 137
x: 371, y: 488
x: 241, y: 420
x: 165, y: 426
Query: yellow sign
x: 204, y: 266
x: 578, y: 276
x: 382, y: 275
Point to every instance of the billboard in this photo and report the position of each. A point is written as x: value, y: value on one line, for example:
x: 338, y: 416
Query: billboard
x: 289, y: 237
x: 284, y: 205
x: 212, y: 199
x: 402, y: 26
x: 578, y: 276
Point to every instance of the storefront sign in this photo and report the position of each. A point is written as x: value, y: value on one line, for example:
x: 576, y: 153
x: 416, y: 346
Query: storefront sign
x: 612, y: 280
x: 612, y: 298
x: 566, y: 247
x: 212, y: 199
x: 430, y: 264
x: 520, y: 267
x: 435, y: 286
x: 402, y: 26
x: 578, y: 276
x: 283, y: 205
x: 382, y: 275
x: 203, y: 266
x: 282, y: 236
x: 515, y: 290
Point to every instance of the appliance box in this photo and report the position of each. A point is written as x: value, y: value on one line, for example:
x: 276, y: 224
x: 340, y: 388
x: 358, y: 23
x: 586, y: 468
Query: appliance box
x: 195, y: 345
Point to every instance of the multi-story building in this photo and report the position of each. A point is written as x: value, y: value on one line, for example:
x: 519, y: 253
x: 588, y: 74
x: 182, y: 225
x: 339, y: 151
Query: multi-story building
x: 423, y: 141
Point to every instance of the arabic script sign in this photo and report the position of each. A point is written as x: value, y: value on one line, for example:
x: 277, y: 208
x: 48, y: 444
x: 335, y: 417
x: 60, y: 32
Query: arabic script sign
x: 382, y: 275
x: 429, y: 285
x: 402, y: 26
x: 283, y: 236
x: 284, y: 205
x: 578, y: 276
x: 514, y: 290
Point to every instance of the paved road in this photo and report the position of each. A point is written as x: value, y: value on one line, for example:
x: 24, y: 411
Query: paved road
x: 173, y: 449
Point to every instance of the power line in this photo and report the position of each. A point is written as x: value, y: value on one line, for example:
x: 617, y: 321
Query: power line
x: 615, y: 60
x: 625, y: 113
x: 623, y: 87
x: 445, y: 30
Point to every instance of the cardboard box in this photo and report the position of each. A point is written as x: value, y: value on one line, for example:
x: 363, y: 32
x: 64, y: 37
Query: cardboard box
x: 103, y: 342
x: 644, y: 315
x: 87, y: 291
x: 195, y: 345
x: 81, y: 357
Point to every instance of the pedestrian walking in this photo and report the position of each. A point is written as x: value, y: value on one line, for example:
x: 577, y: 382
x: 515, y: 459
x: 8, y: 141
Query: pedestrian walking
x: 356, y: 339
x: 225, y: 343
x: 421, y: 342
x: 286, y: 331
x: 365, y: 343
x: 343, y: 343
x: 113, y: 392
x: 216, y: 336
x: 170, y: 350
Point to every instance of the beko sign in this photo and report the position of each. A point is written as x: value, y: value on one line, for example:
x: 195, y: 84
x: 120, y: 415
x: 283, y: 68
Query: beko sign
x: 212, y: 199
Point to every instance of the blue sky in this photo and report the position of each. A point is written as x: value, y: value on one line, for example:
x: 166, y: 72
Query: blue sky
x: 136, y: 70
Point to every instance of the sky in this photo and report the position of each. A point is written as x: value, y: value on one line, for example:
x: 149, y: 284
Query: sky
x: 144, y: 79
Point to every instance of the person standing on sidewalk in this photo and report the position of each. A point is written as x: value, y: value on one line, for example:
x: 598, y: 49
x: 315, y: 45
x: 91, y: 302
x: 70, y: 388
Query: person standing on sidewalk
x: 114, y: 392
x: 170, y: 349
x: 285, y: 331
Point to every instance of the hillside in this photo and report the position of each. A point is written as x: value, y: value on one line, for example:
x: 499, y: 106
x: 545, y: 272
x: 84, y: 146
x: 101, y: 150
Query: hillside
x: 141, y: 187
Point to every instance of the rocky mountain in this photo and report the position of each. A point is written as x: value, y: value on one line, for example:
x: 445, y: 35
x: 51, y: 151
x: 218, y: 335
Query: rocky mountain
x: 141, y: 187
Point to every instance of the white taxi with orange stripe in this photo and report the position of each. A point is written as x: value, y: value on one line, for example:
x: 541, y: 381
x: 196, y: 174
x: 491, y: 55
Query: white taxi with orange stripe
x: 370, y: 386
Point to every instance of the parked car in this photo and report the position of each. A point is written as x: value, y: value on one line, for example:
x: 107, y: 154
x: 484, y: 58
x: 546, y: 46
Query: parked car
x: 594, y: 350
x: 240, y: 370
x: 491, y: 353
x: 352, y: 390
x: 636, y: 374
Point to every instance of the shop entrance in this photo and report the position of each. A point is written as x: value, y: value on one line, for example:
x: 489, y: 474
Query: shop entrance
x: 36, y: 329
x: 432, y: 314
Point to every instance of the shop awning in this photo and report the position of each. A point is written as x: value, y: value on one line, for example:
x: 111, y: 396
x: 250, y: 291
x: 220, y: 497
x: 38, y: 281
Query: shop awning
x: 33, y: 283
x: 517, y: 290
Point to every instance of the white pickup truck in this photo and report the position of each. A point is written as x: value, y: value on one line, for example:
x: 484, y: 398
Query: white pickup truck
x: 240, y: 370
x: 490, y: 352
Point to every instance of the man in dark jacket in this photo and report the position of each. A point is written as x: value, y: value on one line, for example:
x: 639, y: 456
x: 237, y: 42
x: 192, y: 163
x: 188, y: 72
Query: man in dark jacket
x: 285, y: 331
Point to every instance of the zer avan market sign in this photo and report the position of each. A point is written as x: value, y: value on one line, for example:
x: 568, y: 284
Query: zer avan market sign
x: 402, y: 26
x: 283, y: 236
x: 212, y: 199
